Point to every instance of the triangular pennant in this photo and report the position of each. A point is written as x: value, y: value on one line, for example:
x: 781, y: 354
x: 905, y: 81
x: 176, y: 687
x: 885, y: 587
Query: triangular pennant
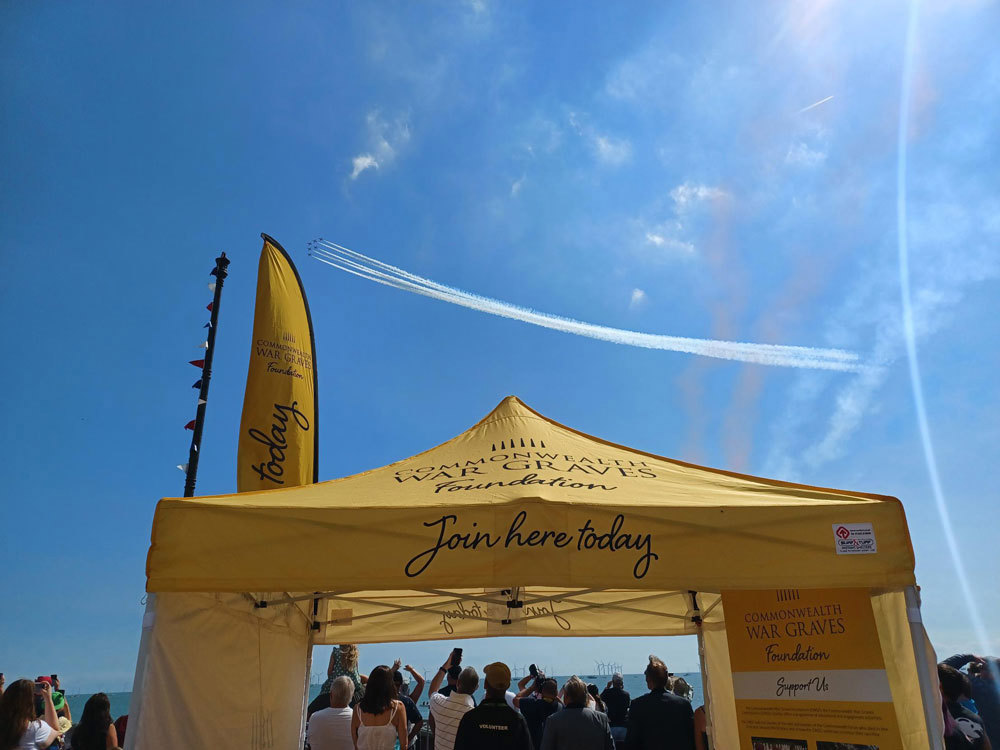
x: 203, y: 345
x: 201, y: 401
x: 183, y: 467
x: 208, y: 324
x: 197, y: 385
x: 189, y: 425
x: 199, y: 363
x: 209, y: 306
x: 211, y: 287
x: 194, y: 448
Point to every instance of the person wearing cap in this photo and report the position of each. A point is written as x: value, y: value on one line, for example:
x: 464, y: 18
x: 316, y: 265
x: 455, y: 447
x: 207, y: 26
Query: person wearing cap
x: 659, y: 720
x: 493, y: 724
x: 447, y: 710
x: 536, y: 709
x: 617, y: 699
x: 577, y: 727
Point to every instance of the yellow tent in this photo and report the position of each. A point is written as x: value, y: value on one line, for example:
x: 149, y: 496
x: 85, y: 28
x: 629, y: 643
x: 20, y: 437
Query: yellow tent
x: 518, y: 526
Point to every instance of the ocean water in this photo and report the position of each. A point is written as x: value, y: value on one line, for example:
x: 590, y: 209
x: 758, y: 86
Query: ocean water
x: 635, y: 684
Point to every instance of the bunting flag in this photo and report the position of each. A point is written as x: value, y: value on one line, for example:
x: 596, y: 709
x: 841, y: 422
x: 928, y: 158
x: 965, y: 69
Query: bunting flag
x: 199, y: 363
x: 278, y: 431
x: 209, y: 306
x: 189, y: 425
x: 197, y: 385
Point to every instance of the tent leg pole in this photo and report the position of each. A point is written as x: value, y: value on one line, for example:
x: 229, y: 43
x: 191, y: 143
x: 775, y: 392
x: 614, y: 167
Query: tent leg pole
x: 696, y: 619
x: 705, y: 692
x: 310, y: 643
x: 928, y: 690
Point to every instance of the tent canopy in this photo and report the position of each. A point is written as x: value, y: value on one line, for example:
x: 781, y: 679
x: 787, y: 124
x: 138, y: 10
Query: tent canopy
x: 518, y: 526
x: 522, y: 510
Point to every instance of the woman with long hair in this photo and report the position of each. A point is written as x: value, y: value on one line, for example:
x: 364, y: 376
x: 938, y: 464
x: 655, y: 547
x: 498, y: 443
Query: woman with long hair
x: 379, y: 719
x: 19, y: 729
x: 95, y: 730
x: 594, y: 700
x: 343, y: 663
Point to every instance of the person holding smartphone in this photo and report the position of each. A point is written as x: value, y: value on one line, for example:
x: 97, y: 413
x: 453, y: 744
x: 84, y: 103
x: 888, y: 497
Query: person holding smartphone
x: 18, y: 726
x: 447, y: 710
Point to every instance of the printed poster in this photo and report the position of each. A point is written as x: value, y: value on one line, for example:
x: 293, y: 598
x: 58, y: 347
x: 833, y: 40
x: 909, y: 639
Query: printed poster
x: 808, y: 672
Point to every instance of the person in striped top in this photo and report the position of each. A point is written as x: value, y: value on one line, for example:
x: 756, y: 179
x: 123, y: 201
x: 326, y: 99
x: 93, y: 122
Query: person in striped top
x: 447, y: 710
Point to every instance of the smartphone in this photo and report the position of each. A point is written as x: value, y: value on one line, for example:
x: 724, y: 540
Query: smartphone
x: 533, y: 670
x: 456, y: 657
x: 38, y: 687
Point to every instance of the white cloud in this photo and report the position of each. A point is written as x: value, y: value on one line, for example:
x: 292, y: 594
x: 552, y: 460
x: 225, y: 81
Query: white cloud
x: 687, y: 194
x: 669, y: 243
x: 516, y: 186
x: 637, y: 298
x: 799, y: 154
x: 385, y: 139
x: 607, y: 148
x: 361, y: 163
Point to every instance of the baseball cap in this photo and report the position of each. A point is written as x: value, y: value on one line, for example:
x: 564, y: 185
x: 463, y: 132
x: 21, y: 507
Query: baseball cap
x: 497, y: 675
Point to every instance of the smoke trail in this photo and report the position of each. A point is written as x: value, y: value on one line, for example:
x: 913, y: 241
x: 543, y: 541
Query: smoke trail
x: 767, y: 354
x: 814, y: 105
x: 909, y: 335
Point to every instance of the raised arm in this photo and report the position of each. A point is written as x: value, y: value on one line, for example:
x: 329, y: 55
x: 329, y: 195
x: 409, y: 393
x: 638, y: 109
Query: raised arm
x: 960, y: 660
x: 439, y: 677
x: 415, y: 693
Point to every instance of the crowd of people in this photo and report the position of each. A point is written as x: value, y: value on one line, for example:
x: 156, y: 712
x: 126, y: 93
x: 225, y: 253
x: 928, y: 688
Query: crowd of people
x: 970, y: 701
x: 376, y: 711
x: 379, y: 710
x: 35, y: 714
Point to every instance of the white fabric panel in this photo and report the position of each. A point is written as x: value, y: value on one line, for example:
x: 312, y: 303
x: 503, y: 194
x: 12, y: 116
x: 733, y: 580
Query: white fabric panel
x: 221, y: 674
x: 721, y: 703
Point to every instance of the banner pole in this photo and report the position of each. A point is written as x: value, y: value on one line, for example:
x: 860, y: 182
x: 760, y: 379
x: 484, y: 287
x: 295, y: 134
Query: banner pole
x: 221, y: 264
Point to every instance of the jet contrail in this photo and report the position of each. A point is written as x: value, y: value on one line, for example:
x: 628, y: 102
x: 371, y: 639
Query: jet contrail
x: 815, y: 104
x: 365, y: 267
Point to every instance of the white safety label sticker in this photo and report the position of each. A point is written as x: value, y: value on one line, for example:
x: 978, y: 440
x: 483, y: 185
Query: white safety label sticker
x: 854, y: 539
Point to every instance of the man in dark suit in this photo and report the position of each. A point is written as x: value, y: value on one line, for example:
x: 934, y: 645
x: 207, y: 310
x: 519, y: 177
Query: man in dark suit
x: 659, y: 720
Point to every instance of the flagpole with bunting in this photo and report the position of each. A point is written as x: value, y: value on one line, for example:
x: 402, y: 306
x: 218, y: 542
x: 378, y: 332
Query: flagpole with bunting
x: 219, y: 272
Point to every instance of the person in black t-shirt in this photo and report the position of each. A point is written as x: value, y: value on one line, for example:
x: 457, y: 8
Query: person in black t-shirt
x: 413, y: 718
x: 659, y: 720
x: 617, y: 699
x: 537, y: 709
x: 493, y: 725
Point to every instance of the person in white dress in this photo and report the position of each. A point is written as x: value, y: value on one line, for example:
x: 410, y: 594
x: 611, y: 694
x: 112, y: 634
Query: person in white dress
x: 330, y: 728
x: 379, y: 720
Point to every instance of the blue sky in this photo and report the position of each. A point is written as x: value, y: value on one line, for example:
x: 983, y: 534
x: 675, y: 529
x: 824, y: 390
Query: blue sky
x: 651, y: 170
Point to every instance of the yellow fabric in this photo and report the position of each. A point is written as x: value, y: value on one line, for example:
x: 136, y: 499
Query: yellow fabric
x: 222, y: 674
x: 551, y: 500
x: 277, y: 443
x: 721, y: 702
x: 901, y: 668
x: 378, y: 616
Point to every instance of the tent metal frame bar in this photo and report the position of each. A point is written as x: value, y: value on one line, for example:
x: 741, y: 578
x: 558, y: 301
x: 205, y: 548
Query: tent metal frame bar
x: 391, y: 607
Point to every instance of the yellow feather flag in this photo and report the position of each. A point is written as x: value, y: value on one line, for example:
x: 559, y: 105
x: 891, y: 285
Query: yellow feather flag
x: 278, y: 431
